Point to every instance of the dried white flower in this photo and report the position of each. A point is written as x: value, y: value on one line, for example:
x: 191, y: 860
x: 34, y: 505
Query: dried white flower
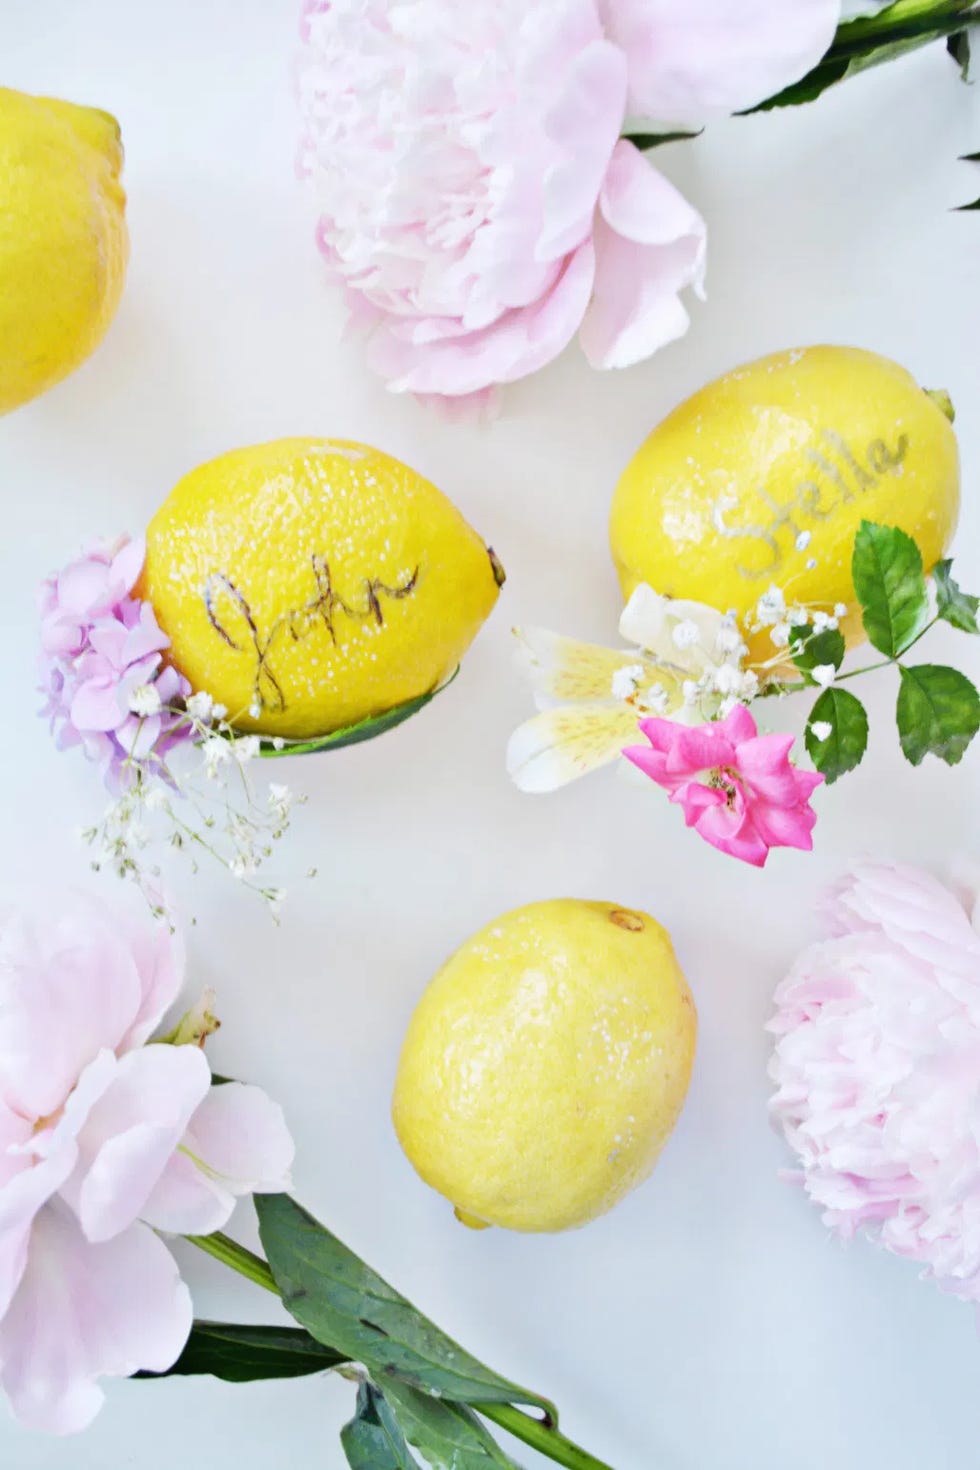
x: 822, y: 729
x: 201, y: 706
x: 779, y: 634
x: 145, y: 701
x: 626, y: 680
x: 824, y: 675
x: 771, y: 606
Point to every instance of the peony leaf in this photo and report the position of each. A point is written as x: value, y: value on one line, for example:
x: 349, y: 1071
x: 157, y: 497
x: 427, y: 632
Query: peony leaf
x: 367, y: 729
x: 372, y: 1440
x: 958, y: 46
x: 953, y: 605
x: 344, y: 1304
x: 646, y: 141
x: 886, y: 567
x: 938, y: 713
x: 809, y: 650
x: 240, y: 1354
x: 448, y: 1436
x: 840, y: 750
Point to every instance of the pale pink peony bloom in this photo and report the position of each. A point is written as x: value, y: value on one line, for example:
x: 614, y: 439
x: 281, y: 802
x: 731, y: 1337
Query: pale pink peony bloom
x: 476, y: 199
x: 877, y: 1071
x: 105, y: 1137
x: 101, y: 654
x: 738, y: 789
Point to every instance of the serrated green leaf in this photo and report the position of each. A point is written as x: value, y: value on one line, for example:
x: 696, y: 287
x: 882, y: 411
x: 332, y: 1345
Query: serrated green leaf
x: 886, y: 568
x: 372, y: 1440
x: 811, y: 650
x: 356, y: 734
x: 346, y: 1305
x: 238, y: 1353
x: 844, y: 747
x: 938, y: 713
x: 952, y: 604
x: 448, y: 1436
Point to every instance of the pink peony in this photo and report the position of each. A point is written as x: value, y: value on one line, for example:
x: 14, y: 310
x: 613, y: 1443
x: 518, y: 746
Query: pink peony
x: 738, y: 788
x: 877, y: 1071
x: 477, y: 201
x: 107, y: 687
x: 105, y: 1137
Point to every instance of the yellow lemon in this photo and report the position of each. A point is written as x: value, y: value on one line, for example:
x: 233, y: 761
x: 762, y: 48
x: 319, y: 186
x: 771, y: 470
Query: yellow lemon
x: 308, y: 584
x: 764, y: 476
x: 546, y: 1065
x: 63, y: 241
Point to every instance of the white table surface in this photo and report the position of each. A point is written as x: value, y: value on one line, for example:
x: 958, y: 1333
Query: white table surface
x: 708, y: 1323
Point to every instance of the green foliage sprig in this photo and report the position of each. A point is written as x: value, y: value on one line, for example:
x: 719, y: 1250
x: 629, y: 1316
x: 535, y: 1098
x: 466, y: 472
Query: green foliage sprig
x: 938, y: 708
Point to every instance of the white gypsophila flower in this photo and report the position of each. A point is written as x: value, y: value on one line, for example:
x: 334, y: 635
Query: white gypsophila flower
x: 840, y: 609
x: 625, y: 681
x: 144, y: 701
x: 201, y: 706
x: 823, y: 622
x: 246, y: 748
x: 656, y: 699
x: 771, y: 607
x: 779, y: 633
x: 824, y: 675
x: 822, y: 730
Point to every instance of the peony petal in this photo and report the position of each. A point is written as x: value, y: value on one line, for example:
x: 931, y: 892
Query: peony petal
x: 237, y: 1143
x: 522, y: 341
x: 132, y: 1132
x: 708, y: 58
x: 585, y: 124
x: 562, y: 744
x: 69, y: 988
x: 160, y: 963
x: 21, y: 1197
x: 650, y: 245
x: 83, y: 1311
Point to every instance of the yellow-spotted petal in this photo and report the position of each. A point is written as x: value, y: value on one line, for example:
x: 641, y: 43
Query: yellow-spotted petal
x: 562, y: 670
x: 559, y: 745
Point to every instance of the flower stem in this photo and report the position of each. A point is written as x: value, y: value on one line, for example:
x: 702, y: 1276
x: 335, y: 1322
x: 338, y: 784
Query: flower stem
x: 537, y: 1433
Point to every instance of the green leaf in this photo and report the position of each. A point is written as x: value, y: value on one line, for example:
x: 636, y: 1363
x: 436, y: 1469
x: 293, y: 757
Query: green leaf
x: 886, y: 568
x: 241, y: 1354
x: 958, y: 46
x: 354, y: 734
x: 346, y: 1305
x: 809, y: 650
x: 844, y: 747
x: 956, y: 607
x: 646, y: 141
x: 872, y: 40
x: 372, y: 1440
x: 447, y: 1435
x: 938, y: 713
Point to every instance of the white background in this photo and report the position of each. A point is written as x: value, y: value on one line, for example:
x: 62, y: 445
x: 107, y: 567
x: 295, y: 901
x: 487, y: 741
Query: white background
x: 708, y: 1323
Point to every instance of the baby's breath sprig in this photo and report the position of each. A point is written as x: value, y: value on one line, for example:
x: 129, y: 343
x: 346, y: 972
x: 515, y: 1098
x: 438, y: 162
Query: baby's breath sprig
x: 196, y: 795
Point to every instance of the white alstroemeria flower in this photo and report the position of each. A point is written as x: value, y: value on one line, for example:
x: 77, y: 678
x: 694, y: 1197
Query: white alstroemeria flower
x: 686, y: 658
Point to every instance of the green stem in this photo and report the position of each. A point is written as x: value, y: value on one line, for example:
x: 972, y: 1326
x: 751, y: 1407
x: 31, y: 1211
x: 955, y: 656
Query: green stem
x: 537, y: 1433
x: 541, y: 1436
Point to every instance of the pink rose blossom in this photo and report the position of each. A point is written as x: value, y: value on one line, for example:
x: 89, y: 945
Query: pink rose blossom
x: 477, y: 201
x: 105, y: 1138
x: 99, y: 647
x: 738, y: 788
x: 877, y: 1071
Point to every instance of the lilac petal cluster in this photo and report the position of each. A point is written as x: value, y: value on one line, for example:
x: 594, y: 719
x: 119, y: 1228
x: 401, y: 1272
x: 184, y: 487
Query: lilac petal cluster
x: 106, y: 686
x: 877, y: 1071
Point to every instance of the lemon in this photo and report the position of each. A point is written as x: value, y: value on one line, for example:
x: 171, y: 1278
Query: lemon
x: 546, y: 1065
x: 764, y: 476
x: 308, y: 584
x: 63, y: 241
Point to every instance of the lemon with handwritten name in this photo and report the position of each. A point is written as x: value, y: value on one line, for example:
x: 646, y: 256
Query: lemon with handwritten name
x: 63, y: 241
x: 309, y: 584
x: 546, y: 1065
x: 763, y: 477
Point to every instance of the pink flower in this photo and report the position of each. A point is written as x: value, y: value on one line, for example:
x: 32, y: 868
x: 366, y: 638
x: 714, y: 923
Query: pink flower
x: 477, y: 201
x: 100, y: 647
x: 877, y: 1071
x: 738, y: 788
x: 105, y: 1138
